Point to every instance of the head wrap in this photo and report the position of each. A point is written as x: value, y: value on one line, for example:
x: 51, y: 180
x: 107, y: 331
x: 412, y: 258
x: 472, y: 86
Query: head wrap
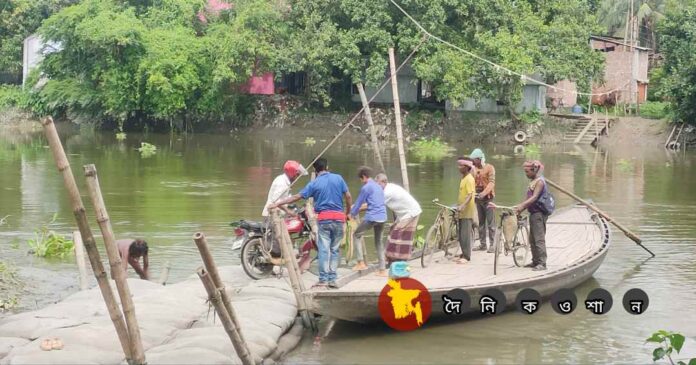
x: 535, y: 164
x: 294, y: 168
x: 477, y: 153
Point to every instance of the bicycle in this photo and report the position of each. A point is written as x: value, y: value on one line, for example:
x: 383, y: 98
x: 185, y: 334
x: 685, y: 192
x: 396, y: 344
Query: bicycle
x: 441, y: 234
x: 513, y: 232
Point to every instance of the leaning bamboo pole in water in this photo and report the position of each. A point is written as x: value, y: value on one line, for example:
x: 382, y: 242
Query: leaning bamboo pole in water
x: 226, y: 317
x: 397, y: 117
x: 80, y: 260
x: 211, y: 268
x: 280, y: 232
x: 86, y: 233
x: 368, y: 117
x: 116, y: 262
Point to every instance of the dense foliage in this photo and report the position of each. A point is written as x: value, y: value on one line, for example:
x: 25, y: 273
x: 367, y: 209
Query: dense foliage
x: 677, y: 40
x: 177, y: 62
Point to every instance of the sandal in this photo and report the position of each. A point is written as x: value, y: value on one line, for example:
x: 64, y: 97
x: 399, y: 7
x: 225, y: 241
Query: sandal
x: 56, y: 344
x: 46, y: 344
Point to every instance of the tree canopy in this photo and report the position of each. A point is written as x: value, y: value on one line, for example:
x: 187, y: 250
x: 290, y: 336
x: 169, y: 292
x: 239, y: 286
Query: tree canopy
x: 130, y: 61
x: 678, y: 75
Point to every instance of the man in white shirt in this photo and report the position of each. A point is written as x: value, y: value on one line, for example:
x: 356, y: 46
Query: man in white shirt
x: 407, y: 211
x: 280, y: 188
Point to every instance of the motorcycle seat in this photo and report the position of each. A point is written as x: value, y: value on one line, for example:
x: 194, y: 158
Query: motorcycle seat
x: 252, y: 226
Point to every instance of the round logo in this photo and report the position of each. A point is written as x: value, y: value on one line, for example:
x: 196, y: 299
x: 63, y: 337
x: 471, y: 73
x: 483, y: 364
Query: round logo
x: 564, y: 301
x: 404, y: 304
x: 636, y: 301
x: 599, y: 301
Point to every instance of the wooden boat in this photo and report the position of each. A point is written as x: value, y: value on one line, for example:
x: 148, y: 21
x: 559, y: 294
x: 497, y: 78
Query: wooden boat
x: 577, y: 241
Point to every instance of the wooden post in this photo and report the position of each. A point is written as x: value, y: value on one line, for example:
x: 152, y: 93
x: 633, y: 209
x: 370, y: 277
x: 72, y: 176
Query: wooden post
x: 86, y: 233
x: 80, y: 260
x: 280, y: 231
x: 117, y: 272
x: 611, y: 220
x: 311, y: 214
x: 670, y: 135
x: 211, y: 268
x: 368, y: 116
x: 226, y: 318
x: 397, y: 116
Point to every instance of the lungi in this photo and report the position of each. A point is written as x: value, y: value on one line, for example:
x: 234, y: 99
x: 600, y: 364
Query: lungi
x: 400, y: 241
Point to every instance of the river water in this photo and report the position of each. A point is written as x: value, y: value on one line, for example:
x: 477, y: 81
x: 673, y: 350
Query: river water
x: 202, y: 182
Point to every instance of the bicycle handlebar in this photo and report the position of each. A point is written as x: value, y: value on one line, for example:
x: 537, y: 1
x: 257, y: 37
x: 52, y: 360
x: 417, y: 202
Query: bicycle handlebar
x: 436, y: 201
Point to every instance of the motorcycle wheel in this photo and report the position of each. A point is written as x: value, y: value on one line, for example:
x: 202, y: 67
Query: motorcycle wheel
x: 254, y: 262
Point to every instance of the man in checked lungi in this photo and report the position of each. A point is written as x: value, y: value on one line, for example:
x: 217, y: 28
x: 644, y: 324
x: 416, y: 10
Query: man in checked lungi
x: 407, y: 211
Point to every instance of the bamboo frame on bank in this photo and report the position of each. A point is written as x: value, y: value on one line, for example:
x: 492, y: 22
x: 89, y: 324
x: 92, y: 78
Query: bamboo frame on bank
x: 116, y: 262
x: 87, y: 237
x: 211, y: 268
x: 397, y: 117
x: 280, y: 232
x: 225, y: 317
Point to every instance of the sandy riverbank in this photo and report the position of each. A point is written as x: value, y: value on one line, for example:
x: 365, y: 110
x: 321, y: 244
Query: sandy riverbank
x: 176, y: 323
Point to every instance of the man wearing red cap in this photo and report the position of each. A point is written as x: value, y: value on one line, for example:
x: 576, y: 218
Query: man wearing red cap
x: 280, y: 188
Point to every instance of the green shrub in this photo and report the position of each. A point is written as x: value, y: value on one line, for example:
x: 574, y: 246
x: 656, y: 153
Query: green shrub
x: 10, y: 96
x: 530, y: 117
x: 654, y: 110
x: 669, y: 343
x: 532, y: 151
x: 431, y: 149
x: 47, y: 243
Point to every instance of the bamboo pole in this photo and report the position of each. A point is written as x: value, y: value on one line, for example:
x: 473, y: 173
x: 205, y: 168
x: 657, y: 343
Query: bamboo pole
x: 80, y: 260
x: 115, y: 261
x: 373, y: 133
x: 611, y: 220
x: 86, y: 233
x: 397, y: 116
x: 280, y: 231
x: 211, y: 268
x: 226, y: 318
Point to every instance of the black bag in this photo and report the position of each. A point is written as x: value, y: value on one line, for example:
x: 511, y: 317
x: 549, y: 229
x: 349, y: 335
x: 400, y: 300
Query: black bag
x: 546, y: 203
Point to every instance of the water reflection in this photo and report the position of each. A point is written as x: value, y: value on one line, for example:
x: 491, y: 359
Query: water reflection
x: 203, y: 182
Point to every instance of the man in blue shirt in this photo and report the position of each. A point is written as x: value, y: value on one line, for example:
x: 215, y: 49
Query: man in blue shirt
x: 375, y: 216
x: 328, y: 191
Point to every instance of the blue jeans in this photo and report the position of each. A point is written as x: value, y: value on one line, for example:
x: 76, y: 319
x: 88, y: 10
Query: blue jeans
x: 329, y: 241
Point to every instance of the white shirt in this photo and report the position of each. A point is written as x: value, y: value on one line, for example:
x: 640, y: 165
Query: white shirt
x: 280, y: 188
x: 401, y: 202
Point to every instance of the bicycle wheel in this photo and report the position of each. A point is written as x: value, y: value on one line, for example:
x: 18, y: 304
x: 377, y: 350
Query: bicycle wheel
x: 496, y: 244
x: 452, y: 238
x: 432, y: 242
x: 520, y: 248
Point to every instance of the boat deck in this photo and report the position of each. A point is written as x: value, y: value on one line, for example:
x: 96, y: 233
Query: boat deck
x: 573, y: 236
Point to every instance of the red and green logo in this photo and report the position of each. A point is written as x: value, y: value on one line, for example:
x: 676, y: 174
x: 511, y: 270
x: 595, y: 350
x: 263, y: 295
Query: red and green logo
x: 404, y: 304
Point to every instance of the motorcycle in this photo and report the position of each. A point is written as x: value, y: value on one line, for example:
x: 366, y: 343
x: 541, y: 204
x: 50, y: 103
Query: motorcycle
x: 258, y: 255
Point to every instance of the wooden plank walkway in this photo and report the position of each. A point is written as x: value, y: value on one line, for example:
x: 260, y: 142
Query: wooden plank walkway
x: 572, y: 236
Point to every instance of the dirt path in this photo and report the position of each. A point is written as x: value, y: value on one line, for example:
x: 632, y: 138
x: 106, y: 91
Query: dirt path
x: 636, y: 130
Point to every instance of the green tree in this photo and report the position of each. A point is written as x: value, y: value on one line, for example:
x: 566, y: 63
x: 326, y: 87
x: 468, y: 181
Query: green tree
x: 156, y: 62
x: 18, y: 20
x: 613, y: 15
x: 677, y: 40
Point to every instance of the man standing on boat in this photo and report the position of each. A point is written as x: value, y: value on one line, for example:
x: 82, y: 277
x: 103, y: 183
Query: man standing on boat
x: 407, y: 211
x: 328, y: 191
x: 280, y: 188
x: 375, y: 216
x: 466, y: 208
x: 484, y: 176
x: 537, y: 195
